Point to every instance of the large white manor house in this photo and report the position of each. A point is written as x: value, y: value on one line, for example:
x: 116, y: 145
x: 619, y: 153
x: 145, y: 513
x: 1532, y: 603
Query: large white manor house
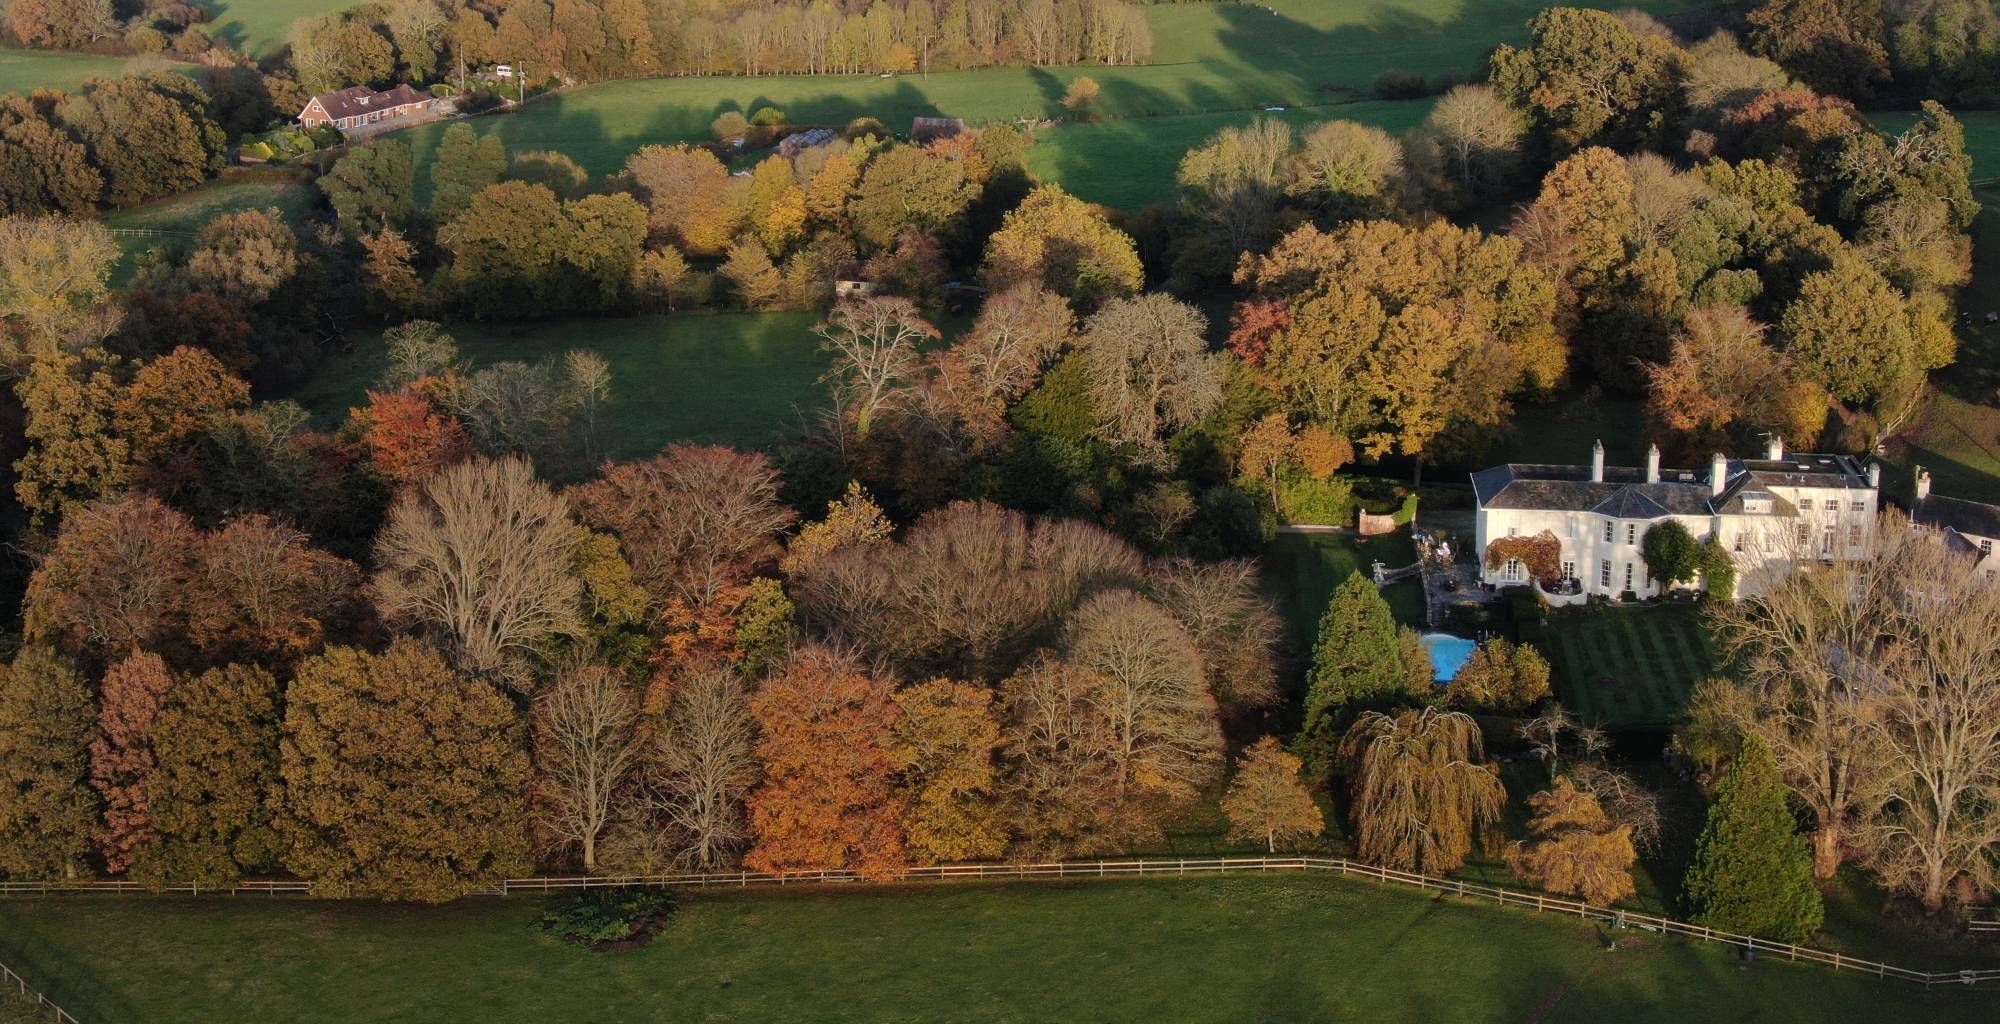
x: 1766, y: 512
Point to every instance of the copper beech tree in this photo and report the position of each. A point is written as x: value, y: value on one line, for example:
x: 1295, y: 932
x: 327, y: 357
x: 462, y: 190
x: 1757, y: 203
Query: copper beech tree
x: 122, y: 758
x: 828, y: 800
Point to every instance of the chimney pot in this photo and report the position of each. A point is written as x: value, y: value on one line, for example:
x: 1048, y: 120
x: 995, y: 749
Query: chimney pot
x: 1718, y: 473
x: 1597, y: 462
x: 1653, y: 464
x: 1923, y: 483
x: 1774, y: 449
x: 1875, y: 475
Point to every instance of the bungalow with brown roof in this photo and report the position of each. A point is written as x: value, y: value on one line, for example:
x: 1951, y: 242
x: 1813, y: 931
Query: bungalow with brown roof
x: 359, y: 105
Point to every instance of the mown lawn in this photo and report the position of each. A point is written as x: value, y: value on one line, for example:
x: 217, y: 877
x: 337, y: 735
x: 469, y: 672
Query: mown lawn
x: 744, y: 379
x: 1302, y: 570
x: 1628, y: 666
x: 27, y: 70
x: 1207, y: 58
x: 1290, y: 948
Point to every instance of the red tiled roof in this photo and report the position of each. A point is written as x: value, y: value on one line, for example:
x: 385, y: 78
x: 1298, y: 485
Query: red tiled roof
x: 358, y: 100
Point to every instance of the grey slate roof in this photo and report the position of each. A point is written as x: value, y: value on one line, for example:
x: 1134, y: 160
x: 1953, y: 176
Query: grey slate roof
x: 1625, y: 494
x: 1971, y: 518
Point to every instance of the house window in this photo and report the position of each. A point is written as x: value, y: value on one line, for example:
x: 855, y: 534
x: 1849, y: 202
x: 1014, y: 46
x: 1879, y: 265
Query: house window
x: 1628, y: 575
x: 1569, y: 571
x: 1631, y: 533
x: 1805, y: 504
x: 1511, y: 572
x: 1857, y: 506
x: 1608, y: 527
x: 1826, y: 542
x: 1739, y: 544
x: 1604, y: 575
x: 1985, y: 550
x: 1854, y: 536
x: 1513, y: 532
x: 1989, y: 575
x: 1805, y: 534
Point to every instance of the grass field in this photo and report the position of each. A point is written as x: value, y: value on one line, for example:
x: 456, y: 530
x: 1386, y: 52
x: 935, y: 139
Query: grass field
x: 1628, y: 666
x: 260, y: 28
x: 744, y: 379
x: 28, y: 70
x: 188, y: 211
x: 1302, y: 570
x: 1208, y: 58
x: 1129, y: 163
x: 1286, y: 948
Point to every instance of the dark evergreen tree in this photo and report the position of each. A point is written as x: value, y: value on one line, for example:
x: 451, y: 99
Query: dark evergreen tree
x: 1752, y: 872
x: 1361, y: 655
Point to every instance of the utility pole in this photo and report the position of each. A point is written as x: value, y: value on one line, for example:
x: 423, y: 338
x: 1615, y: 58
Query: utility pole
x: 521, y: 82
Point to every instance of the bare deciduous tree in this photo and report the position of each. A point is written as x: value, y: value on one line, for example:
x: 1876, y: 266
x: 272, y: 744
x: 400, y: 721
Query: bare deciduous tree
x: 481, y: 554
x: 1232, y: 624
x: 586, y: 750
x: 1938, y: 723
x: 874, y: 346
x: 1801, y: 647
x: 588, y: 380
x: 1149, y: 369
x: 970, y: 590
x: 704, y: 763
x: 1166, y: 742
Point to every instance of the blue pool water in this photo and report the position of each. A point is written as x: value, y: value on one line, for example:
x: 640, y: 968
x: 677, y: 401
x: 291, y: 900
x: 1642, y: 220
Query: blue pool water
x: 1448, y: 654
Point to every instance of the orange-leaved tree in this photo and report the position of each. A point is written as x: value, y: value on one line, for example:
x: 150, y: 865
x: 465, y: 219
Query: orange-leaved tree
x: 828, y: 800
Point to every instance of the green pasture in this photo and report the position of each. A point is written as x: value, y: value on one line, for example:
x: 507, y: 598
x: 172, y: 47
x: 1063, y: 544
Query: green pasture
x: 1271, y: 948
x: 1208, y: 58
x: 28, y: 70
x: 1628, y: 666
x: 744, y: 379
x: 1130, y: 163
x: 261, y: 28
x: 186, y: 213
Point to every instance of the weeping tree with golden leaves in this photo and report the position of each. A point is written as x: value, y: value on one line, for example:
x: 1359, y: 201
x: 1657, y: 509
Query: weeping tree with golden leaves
x: 1421, y: 788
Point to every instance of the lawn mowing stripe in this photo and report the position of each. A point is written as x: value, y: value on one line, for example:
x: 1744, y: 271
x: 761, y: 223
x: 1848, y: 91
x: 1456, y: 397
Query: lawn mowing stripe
x: 1661, y: 684
x: 1626, y: 637
x: 1581, y: 695
x: 1647, y: 698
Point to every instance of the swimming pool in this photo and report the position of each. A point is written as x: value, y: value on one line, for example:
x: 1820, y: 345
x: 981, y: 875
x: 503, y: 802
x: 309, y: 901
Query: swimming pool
x: 1448, y: 654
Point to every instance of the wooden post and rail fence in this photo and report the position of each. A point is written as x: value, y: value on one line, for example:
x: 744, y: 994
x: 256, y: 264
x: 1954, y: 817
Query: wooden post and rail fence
x: 1068, y: 870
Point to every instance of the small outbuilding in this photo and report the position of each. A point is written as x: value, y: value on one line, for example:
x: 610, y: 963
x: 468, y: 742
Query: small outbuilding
x: 798, y: 142
x: 928, y: 129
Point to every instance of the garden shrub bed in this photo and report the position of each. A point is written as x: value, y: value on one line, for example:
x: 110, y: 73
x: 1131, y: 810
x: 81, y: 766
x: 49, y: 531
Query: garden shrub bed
x: 603, y: 920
